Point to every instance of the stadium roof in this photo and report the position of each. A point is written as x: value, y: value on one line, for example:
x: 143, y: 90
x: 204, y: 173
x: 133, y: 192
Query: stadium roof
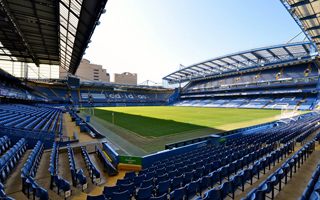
x: 254, y: 58
x: 54, y: 32
x: 307, y: 15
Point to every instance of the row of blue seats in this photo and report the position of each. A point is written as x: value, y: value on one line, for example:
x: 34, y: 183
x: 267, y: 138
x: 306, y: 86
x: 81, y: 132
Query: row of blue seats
x: 57, y: 181
x: 77, y: 175
x: 308, y: 132
x: 303, y: 129
x: 53, y: 162
x: 263, y: 139
x: 93, y: 171
x: 3, y: 194
x: 287, y: 169
x: 111, y: 170
x: 5, y: 143
x: 180, y: 190
x: 313, y: 188
x: 28, y: 173
x: 163, y: 184
x: 256, y: 138
x: 203, y: 153
x: 9, y: 160
x: 31, y: 118
x: 205, y: 165
x: 243, y: 176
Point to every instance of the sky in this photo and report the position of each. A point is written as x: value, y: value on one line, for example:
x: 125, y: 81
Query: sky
x: 153, y: 37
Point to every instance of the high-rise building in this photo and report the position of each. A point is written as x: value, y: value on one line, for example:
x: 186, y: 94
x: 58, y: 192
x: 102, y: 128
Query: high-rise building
x: 126, y: 78
x: 92, y: 72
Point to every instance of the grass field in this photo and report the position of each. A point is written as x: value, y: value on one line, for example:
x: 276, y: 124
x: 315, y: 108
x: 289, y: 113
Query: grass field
x: 167, y: 120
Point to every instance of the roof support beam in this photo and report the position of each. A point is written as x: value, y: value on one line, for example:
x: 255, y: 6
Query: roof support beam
x: 273, y: 54
x: 220, y: 66
x: 288, y: 52
x: 39, y: 26
x: 309, y: 17
x: 205, y: 69
x: 300, y: 3
x: 306, y: 49
x: 248, y: 59
x: 316, y: 37
x: 312, y: 28
x: 191, y: 70
x: 228, y: 64
x: 235, y: 60
x: 258, y: 56
x: 213, y: 68
x: 183, y: 72
x: 12, y: 19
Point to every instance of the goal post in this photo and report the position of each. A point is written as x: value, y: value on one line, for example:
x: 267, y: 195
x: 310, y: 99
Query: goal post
x: 287, y: 112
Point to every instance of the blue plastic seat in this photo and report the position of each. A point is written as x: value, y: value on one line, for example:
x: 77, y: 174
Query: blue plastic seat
x: 198, y: 173
x: 235, y: 182
x: 226, y: 189
x: 162, y: 197
x: 314, y: 196
x: 213, y: 194
x: 129, y: 187
x: 192, y: 188
x: 160, y: 171
x: 108, y: 191
x: 99, y: 197
x: 138, y: 180
x: 63, y: 185
x: 144, y: 193
x: 123, y: 181
x: 82, y: 179
x: 125, y: 195
x: 223, y: 172
x: 163, y: 187
x: 163, y: 177
x: 150, y: 175
x: 214, y: 177
x: 41, y: 193
x: 147, y: 183
x: 272, y: 181
x: 188, y: 177
x: 176, y: 182
x: 130, y: 175
x: 204, y: 183
x: 173, y: 173
x: 178, y: 194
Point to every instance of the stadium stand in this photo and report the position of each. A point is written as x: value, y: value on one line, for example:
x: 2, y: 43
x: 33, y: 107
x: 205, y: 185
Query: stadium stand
x: 99, y: 94
x: 257, y: 78
x: 39, y: 158
x: 77, y: 174
x: 56, y: 180
x: 286, y: 170
x: 28, y: 173
x: 294, y: 89
x: 11, y: 88
x: 94, y: 172
x: 32, y: 122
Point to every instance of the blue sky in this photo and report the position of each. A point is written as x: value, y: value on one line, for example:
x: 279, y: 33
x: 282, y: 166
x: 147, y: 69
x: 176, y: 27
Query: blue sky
x: 153, y: 37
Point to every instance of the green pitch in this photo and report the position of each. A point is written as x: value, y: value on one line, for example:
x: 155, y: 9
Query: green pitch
x: 166, y: 120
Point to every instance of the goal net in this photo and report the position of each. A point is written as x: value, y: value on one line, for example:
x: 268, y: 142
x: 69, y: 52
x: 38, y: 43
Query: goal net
x: 288, y: 111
